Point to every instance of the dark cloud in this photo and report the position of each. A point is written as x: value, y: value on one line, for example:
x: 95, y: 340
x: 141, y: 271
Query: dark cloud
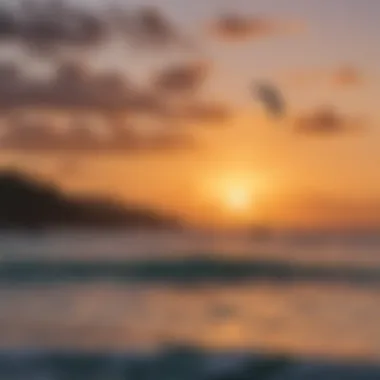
x: 186, y: 78
x: 149, y: 27
x: 234, y: 27
x: 204, y: 112
x: 82, y: 111
x: 50, y: 24
x: 83, y: 138
x: 55, y: 24
x: 271, y: 96
x: 73, y: 88
x: 76, y: 89
x: 325, y: 121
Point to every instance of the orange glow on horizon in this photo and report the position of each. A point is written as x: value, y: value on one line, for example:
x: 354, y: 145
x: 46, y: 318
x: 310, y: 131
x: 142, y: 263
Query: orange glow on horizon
x: 231, y: 198
x: 237, y: 198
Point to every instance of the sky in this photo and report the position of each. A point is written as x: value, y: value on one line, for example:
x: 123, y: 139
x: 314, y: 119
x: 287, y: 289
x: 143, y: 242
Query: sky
x: 164, y: 113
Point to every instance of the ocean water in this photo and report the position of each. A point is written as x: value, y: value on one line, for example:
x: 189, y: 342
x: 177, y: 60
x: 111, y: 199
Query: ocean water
x: 135, y: 293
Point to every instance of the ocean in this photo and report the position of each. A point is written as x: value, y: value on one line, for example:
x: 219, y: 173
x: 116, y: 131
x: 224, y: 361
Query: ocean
x: 121, y: 298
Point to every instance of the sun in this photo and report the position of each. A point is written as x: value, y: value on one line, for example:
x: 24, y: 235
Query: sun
x: 231, y: 198
x: 236, y: 198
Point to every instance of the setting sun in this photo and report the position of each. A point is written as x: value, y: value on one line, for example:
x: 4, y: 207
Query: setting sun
x: 232, y: 196
x: 237, y: 198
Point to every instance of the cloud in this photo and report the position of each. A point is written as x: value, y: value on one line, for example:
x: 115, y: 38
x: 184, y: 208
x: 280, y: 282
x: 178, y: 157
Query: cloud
x: 73, y: 88
x: 186, y: 78
x: 345, y: 76
x: 50, y: 24
x: 149, y: 27
x: 83, y: 138
x: 326, y: 121
x: 53, y: 25
x: 204, y: 112
x: 272, y: 98
x: 233, y: 27
x: 81, y: 110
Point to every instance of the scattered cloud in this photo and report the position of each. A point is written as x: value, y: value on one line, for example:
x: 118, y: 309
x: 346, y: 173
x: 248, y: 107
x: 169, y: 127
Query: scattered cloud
x: 345, y: 76
x: 50, y: 24
x: 149, y: 27
x: 72, y: 88
x: 234, y: 27
x: 83, y: 138
x: 205, y: 112
x: 325, y: 121
x: 57, y: 24
x: 185, y: 78
x: 271, y: 96
x: 80, y: 110
x: 75, y: 88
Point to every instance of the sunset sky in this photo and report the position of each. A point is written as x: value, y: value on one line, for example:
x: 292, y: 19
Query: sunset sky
x: 171, y: 118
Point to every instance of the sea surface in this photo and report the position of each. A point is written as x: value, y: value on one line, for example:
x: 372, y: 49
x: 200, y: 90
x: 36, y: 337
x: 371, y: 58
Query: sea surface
x: 308, y: 297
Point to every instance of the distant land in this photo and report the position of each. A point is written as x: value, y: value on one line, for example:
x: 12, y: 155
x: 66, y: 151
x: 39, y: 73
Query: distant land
x: 31, y: 204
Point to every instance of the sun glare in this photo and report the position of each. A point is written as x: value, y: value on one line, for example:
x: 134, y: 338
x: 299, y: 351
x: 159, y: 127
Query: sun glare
x: 237, y: 198
x: 231, y: 198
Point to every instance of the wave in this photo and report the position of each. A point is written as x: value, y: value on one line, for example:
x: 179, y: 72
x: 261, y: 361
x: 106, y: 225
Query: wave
x: 183, y: 363
x: 188, y: 271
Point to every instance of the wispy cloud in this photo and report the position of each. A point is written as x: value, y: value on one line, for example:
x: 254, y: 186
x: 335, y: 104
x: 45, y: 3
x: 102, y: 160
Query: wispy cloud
x: 204, y: 112
x: 149, y: 27
x: 47, y: 25
x: 55, y: 25
x: 101, y: 112
x: 234, y: 27
x: 81, y: 137
x: 347, y: 76
x: 344, y: 76
x: 76, y: 88
x: 72, y: 88
x: 188, y: 77
x: 327, y: 121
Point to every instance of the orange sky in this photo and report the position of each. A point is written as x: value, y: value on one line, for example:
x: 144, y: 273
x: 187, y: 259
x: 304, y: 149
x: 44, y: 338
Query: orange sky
x: 250, y: 168
x: 279, y: 177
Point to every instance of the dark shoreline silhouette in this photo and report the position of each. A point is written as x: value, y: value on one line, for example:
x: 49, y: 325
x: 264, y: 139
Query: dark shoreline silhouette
x: 29, y: 204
